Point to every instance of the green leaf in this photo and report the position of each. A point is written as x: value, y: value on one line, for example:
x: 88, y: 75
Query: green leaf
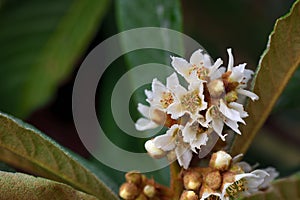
x: 135, y: 14
x: 282, y: 189
x: 23, y: 186
x: 26, y: 148
x: 40, y: 43
x: 276, y: 67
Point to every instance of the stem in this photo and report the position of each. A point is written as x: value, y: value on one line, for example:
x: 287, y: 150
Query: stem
x: 176, y: 180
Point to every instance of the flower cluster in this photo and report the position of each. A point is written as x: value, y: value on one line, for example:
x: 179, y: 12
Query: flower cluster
x: 211, y: 100
x: 225, y: 179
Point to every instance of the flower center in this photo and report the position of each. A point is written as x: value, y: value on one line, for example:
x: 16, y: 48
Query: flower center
x: 167, y: 99
x: 201, y: 71
x: 236, y: 187
x: 191, y: 101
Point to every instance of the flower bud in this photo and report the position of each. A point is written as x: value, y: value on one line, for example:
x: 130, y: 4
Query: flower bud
x: 192, y: 180
x: 216, y: 88
x: 153, y: 150
x: 220, y: 161
x: 189, y: 195
x: 213, y: 180
x: 133, y: 177
x: 149, y: 191
x: 128, y: 191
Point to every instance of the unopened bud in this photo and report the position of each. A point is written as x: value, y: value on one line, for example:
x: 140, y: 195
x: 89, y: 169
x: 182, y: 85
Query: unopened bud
x: 216, y: 88
x: 228, y: 177
x: 128, y: 191
x: 220, y: 161
x: 189, y: 195
x: 213, y: 180
x: 133, y: 177
x: 153, y: 150
x: 149, y: 191
x: 192, y: 180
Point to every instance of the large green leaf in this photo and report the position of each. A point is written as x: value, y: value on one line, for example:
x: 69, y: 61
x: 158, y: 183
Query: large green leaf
x: 135, y: 14
x: 24, y: 147
x: 40, y: 42
x: 282, y: 189
x: 22, y: 186
x: 277, y: 65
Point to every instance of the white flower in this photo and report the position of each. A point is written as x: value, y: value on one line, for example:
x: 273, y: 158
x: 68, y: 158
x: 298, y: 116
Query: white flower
x: 159, y: 99
x: 172, y: 140
x: 201, y: 64
x: 162, y: 96
x: 195, y: 135
x: 189, y: 101
x: 243, y: 184
x: 230, y: 114
x: 239, y: 77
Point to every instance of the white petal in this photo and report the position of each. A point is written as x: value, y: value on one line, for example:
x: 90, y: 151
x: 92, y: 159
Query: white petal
x: 245, y: 166
x: 233, y: 125
x: 201, y: 139
x: 230, y: 60
x: 238, y: 73
x: 189, y: 133
x: 153, y: 150
x: 143, y: 124
x: 247, y: 93
x: 165, y: 142
x: 149, y: 95
x: 144, y: 110
x: 184, y: 156
x: 172, y: 81
x: 218, y: 73
x: 230, y: 113
x: 158, y: 88
x: 268, y: 179
x: 217, y: 125
x: 197, y: 57
x: 240, y: 108
x: 176, y: 110
x: 215, y: 66
x: 207, y: 61
x: 181, y: 66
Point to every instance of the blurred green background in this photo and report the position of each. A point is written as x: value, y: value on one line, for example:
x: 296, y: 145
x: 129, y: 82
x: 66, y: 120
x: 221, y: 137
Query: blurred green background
x: 44, y: 42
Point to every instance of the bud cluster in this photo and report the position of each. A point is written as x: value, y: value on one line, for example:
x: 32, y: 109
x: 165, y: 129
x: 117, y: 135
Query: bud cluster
x: 138, y: 187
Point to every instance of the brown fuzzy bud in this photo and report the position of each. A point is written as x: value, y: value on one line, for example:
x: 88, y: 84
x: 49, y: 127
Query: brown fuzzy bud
x: 149, y: 191
x: 189, y: 195
x: 220, y: 161
x: 228, y: 177
x: 192, y: 180
x: 134, y: 177
x: 213, y: 180
x: 128, y: 191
